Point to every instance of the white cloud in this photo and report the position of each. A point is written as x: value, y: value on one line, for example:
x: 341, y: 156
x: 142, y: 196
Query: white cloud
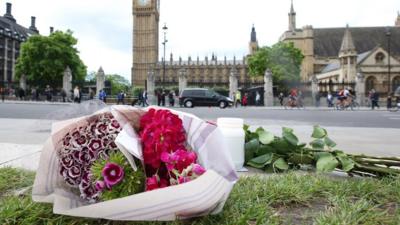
x: 196, y: 27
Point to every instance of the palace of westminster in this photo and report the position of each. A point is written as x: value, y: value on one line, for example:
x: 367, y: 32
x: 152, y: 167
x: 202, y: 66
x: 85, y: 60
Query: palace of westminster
x: 330, y: 54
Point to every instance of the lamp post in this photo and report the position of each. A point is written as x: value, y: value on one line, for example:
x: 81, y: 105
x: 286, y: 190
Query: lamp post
x: 388, y: 34
x: 165, y: 28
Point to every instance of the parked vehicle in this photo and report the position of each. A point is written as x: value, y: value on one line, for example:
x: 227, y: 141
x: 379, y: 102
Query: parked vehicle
x: 191, y: 97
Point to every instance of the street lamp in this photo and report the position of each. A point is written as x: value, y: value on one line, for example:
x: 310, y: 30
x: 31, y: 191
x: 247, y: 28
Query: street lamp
x: 388, y: 34
x: 165, y: 28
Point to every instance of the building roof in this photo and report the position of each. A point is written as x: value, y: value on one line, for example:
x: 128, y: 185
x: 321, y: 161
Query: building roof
x: 9, y: 27
x: 336, y: 65
x: 327, y: 41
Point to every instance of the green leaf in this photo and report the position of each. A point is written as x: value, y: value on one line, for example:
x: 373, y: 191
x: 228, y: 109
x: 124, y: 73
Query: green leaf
x: 287, y: 130
x: 260, y: 161
x: 250, y: 148
x: 318, y: 144
x: 265, y: 137
x: 329, y: 142
x: 346, y: 162
x: 318, y: 132
x: 281, y: 164
x: 327, y: 163
x: 246, y: 127
x: 260, y: 129
x: 264, y: 149
x: 298, y: 158
x: 291, y: 138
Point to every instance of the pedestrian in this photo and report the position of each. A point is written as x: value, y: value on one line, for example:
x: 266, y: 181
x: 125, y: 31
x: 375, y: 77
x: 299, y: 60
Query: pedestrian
x: 244, y: 100
x: 21, y: 94
x: 329, y: 99
x: 389, y: 101
x: 171, y: 98
x: 2, y: 92
x: 238, y: 98
x: 317, y: 99
x: 375, y: 99
x: 163, y: 95
x: 144, y: 99
x: 158, y: 93
x: 76, y: 94
x: 103, y: 96
x: 120, y: 98
x: 258, y: 99
x: 280, y: 97
x: 48, y: 94
x: 63, y: 94
x: 91, y: 94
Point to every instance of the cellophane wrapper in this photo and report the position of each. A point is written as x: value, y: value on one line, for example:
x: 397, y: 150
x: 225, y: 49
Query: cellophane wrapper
x: 205, y: 195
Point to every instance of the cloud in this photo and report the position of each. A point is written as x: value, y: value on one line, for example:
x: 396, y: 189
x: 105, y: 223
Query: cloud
x: 196, y: 27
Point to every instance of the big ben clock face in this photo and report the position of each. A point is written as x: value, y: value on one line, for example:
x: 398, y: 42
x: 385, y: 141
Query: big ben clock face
x: 143, y: 2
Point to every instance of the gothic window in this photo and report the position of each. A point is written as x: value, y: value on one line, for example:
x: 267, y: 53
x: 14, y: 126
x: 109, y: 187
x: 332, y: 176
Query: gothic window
x: 395, y: 83
x: 379, y: 57
x: 370, y: 83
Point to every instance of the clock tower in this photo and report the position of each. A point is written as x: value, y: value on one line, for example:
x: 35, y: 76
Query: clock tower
x: 146, y: 15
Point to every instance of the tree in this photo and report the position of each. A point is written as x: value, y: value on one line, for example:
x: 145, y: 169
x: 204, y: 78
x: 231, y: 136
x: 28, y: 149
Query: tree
x: 283, y: 59
x: 43, y: 59
x: 118, y: 83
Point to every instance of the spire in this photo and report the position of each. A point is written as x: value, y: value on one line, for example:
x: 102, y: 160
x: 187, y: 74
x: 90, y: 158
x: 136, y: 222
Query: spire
x: 397, y: 23
x: 347, y: 42
x: 292, y: 18
x: 291, y: 8
x: 253, y: 37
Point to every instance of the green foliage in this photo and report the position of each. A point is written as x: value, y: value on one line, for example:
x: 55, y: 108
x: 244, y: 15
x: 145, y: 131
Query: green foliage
x: 274, y: 154
x: 43, y: 59
x: 118, y: 83
x: 136, y: 91
x: 283, y: 59
x: 290, y: 198
x: 11, y: 178
x: 132, y: 183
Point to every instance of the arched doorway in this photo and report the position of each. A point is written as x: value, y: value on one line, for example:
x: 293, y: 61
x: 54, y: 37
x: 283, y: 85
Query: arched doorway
x: 395, y: 83
x: 370, y: 84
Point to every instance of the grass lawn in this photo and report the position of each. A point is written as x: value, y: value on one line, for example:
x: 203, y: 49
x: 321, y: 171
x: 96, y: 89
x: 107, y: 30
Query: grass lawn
x: 290, y: 198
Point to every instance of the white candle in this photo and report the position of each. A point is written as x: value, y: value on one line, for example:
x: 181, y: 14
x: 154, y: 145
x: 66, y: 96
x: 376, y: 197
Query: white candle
x: 232, y: 129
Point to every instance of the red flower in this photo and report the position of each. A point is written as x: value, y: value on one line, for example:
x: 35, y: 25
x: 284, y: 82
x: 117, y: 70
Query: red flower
x: 113, y: 174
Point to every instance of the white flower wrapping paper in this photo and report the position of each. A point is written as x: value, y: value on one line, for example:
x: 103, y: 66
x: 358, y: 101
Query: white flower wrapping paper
x: 204, y: 195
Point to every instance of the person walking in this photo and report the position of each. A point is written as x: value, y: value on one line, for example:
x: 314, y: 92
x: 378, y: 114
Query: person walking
x: 280, y: 97
x: 163, y: 95
x: 76, y: 94
x: 171, y: 98
x: 144, y: 99
x: 91, y: 94
x: 258, y: 99
x: 244, y: 100
x: 238, y: 98
x: 317, y: 99
x: 389, y: 101
x: 329, y: 99
x: 375, y: 99
x: 63, y: 94
x: 47, y: 92
x: 103, y: 96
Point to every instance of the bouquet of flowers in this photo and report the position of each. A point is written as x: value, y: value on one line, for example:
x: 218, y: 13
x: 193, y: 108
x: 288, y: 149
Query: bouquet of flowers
x: 124, y: 163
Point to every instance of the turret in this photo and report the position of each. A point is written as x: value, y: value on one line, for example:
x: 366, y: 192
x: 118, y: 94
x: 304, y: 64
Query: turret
x: 348, y: 57
x: 253, y: 45
x: 292, y: 18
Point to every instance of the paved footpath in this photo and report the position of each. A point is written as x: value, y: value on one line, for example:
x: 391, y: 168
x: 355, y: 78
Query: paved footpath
x: 21, y: 139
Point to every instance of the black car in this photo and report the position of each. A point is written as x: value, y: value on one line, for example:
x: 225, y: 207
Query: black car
x: 191, y: 97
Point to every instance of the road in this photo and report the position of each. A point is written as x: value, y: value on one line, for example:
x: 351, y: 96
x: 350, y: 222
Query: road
x: 25, y: 127
x: 253, y: 115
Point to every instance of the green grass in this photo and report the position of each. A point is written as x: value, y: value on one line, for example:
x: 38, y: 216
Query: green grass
x: 291, y: 198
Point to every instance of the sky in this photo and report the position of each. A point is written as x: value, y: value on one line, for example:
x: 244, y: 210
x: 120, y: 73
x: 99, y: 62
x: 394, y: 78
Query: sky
x: 195, y: 27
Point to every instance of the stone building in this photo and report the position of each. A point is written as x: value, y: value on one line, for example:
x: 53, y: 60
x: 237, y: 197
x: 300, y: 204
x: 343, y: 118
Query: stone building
x: 338, y: 54
x: 11, y: 37
x: 208, y: 71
